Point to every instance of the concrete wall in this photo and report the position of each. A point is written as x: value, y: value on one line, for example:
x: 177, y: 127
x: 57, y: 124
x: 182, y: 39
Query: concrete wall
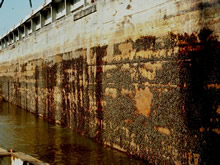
x: 142, y: 77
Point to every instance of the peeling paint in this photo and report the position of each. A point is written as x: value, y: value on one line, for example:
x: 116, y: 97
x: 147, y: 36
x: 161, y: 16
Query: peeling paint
x: 162, y: 130
x: 143, y: 101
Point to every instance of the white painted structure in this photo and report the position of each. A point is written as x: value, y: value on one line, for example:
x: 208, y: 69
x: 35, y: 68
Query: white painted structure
x: 51, y: 11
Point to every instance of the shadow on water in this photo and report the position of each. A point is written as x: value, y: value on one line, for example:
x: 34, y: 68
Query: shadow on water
x: 23, y: 132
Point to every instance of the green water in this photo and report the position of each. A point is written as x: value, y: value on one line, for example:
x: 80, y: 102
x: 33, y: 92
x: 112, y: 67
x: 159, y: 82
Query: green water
x: 24, y: 132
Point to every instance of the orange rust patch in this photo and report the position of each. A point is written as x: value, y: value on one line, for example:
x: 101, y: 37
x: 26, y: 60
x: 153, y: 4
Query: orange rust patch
x: 196, y: 158
x: 177, y: 163
x: 129, y: 121
x: 218, y: 109
x: 143, y: 100
x: 162, y: 130
x: 125, y: 48
x: 58, y: 58
x: 202, y: 129
x: 216, y: 130
x: 217, y: 86
x: 126, y: 92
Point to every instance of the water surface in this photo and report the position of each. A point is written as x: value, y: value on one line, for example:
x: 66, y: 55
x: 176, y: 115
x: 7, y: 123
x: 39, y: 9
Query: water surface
x: 53, y: 144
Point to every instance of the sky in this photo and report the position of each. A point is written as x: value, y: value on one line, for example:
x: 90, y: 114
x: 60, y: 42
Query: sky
x: 13, y: 11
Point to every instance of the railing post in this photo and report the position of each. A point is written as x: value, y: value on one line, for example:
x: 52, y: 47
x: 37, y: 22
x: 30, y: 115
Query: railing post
x: 53, y: 12
x: 67, y: 7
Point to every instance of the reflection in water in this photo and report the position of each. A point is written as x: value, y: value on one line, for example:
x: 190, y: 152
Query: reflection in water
x: 23, y: 132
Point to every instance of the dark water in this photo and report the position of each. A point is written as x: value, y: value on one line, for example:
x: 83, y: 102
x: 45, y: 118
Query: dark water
x: 53, y: 144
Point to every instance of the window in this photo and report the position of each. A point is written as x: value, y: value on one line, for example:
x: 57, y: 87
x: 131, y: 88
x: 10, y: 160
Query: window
x: 21, y: 30
x: 16, y: 35
x: 36, y: 22
x: 28, y: 27
x: 75, y: 4
x: 46, y: 16
x: 11, y: 38
x: 6, y: 41
x: 60, y: 9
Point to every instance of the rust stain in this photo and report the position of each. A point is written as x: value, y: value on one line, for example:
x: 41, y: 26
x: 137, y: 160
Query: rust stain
x: 218, y: 110
x: 162, y: 130
x: 58, y: 58
x: 129, y: 121
x: 125, y: 48
x: 143, y: 100
x: 217, y: 86
x: 216, y: 130
x: 193, y: 158
x: 128, y: 7
x: 196, y: 159
x: 177, y: 163
x: 202, y: 129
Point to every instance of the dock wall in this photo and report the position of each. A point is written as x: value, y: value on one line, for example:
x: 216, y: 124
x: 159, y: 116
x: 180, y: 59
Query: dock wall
x: 139, y: 76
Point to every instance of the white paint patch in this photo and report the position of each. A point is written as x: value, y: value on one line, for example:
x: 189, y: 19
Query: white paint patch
x: 16, y: 161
